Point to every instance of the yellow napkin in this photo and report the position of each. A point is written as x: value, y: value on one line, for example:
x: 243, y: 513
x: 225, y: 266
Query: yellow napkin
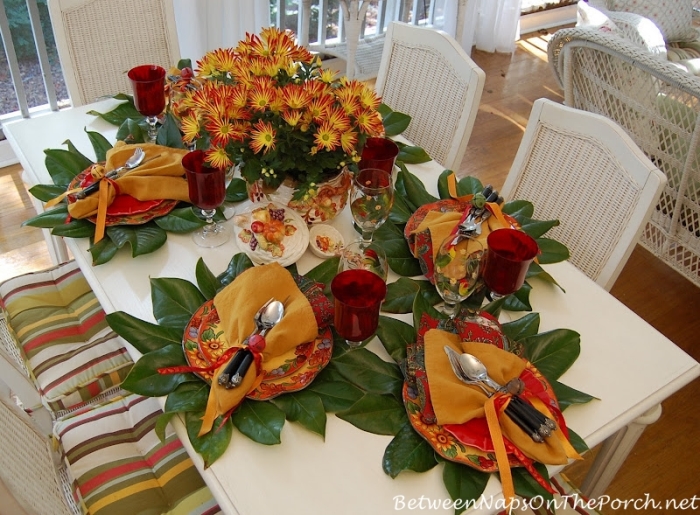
x: 159, y: 178
x: 441, y: 225
x: 236, y: 305
x: 455, y: 402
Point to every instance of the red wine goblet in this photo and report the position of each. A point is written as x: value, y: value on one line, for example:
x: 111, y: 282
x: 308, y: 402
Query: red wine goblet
x: 207, y: 191
x: 148, y: 85
x: 508, y: 258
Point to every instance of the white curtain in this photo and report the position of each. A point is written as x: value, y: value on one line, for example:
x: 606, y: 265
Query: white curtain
x: 204, y: 25
x: 491, y: 25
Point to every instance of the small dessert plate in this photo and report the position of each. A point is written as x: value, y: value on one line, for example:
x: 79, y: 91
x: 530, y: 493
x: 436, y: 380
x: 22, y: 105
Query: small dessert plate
x: 325, y: 241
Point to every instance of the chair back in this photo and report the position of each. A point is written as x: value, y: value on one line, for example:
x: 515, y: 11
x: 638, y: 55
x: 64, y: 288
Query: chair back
x: 98, y: 41
x: 585, y: 171
x: 427, y: 75
x: 29, y: 468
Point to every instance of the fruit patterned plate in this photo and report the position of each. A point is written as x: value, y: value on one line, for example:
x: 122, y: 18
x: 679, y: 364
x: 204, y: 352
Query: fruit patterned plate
x: 204, y: 342
x: 269, y: 232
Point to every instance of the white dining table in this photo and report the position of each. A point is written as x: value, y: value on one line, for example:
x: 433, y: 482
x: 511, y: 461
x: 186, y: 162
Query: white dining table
x: 624, y: 362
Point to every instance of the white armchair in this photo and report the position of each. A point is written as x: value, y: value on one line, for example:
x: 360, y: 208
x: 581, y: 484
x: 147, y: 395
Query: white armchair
x: 658, y: 104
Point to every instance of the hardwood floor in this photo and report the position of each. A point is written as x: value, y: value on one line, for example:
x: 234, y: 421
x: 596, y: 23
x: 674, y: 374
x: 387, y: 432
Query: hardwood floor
x: 663, y: 463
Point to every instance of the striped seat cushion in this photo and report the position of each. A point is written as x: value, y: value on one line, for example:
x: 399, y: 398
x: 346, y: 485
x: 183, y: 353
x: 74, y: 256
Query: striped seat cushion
x: 119, y: 466
x: 63, y: 336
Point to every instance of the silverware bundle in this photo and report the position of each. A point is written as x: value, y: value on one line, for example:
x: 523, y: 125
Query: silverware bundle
x: 470, y: 370
x: 265, y: 319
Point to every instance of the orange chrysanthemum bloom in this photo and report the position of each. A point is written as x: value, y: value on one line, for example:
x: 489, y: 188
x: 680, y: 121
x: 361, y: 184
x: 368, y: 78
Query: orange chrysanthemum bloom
x: 338, y: 119
x: 262, y: 137
x: 326, y: 138
x: 220, y: 130
x: 292, y: 118
x: 217, y: 157
x: 261, y: 96
x: 296, y: 96
x: 348, y: 141
x: 189, y: 125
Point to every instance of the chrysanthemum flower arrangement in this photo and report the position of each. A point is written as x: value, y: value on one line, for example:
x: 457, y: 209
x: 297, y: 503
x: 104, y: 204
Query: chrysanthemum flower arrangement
x: 268, y: 106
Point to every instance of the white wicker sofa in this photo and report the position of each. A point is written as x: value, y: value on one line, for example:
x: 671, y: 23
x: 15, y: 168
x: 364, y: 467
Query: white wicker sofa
x: 626, y: 76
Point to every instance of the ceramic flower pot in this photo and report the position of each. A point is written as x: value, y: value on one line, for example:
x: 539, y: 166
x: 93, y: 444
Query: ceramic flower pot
x: 328, y: 199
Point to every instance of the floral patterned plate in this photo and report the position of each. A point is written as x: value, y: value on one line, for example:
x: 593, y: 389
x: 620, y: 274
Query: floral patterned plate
x: 204, y: 342
x: 125, y: 209
x: 468, y: 443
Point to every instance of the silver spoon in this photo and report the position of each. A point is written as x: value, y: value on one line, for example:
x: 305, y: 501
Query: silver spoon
x: 511, y: 410
x: 269, y: 318
x: 135, y: 160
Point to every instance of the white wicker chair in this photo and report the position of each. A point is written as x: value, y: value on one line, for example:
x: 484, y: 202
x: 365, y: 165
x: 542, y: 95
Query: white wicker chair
x: 585, y: 171
x: 98, y: 41
x: 29, y: 467
x: 427, y: 75
x: 659, y: 107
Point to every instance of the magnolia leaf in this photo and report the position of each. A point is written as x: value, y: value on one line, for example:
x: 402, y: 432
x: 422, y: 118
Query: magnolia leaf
x: 180, y: 220
x: 577, y: 442
x: 75, y: 229
x: 74, y: 150
x: 143, y: 239
x: 208, y: 283
x: 566, y: 396
x: 520, y: 300
x: 411, y: 154
x: 398, y: 255
x: 527, y: 325
x: 400, y: 295
x: 190, y: 396
x: 408, y: 451
x: 64, y: 165
x: 400, y: 211
x: 551, y: 251
x: 120, y: 113
x: 527, y: 486
x: 395, y: 123
x: 103, y: 251
x: 174, y: 301
x: 536, y: 270
x: 237, y: 191
x: 212, y: 445
x: 415, y: 190
x: 238, y: 264
x: 518, y: 208
x: 368, y: 371
x: 46, y: 192
x: 100, y: 145
x: 48, y: 219
x: 465, y: 186
x: 463, y: 483
x: 162, y: 424
x: 377, y: 414
x: 324, y: 273
x: 260, y: 421
x: 305, y: 407
x: 144, y: 336
x: 131, y: 131
x: 144, y: 378
x: 552, y: 352
x: 395, y: 335
x: 169, y: 133
x: 400, y: 191
x: 335, y: 395
x: 420, y: 306
x: 536, y: 228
